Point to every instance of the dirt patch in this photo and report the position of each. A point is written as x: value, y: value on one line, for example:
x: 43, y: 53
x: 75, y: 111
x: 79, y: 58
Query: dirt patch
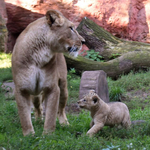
x: 9, y: 90
x: 73, y: 108
x: 140, y: 94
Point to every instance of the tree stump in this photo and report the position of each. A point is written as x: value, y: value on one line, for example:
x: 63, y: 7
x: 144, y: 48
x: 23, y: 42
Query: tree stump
x: 94, y: 80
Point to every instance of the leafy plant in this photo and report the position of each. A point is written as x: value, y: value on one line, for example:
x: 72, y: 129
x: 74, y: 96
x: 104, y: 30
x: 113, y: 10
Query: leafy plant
x: 115, y: 93
x: 70, y: 73
x: 91, y: 54
x: 115, y: 55
x: 73, y: 85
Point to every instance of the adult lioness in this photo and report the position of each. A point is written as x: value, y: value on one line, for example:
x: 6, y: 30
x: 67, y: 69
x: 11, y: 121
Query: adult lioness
x: 39, y: 68
x: 109, y: 114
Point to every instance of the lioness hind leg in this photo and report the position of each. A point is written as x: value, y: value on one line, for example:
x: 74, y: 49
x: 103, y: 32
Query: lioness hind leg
x: 24, y: 110
x: 62, y: 103
x: 38, y: 108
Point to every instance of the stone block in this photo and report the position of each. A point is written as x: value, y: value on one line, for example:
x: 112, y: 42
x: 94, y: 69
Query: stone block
x: 94, y: 80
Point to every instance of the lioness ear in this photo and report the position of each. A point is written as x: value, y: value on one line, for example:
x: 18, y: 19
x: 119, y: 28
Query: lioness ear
x: 95, y: 99
x: 92, y: 91
x: 54, y: 18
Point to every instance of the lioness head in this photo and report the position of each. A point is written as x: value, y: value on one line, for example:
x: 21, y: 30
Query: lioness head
x: 89, y: 101
x: 68, y: 39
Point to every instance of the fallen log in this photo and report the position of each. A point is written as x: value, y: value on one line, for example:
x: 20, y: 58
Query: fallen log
x: 104, y: 42
x: 114, y: 68
x: 131, y: 55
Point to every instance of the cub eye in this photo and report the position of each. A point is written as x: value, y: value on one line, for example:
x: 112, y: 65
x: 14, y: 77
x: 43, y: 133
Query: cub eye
x: 84, y: 100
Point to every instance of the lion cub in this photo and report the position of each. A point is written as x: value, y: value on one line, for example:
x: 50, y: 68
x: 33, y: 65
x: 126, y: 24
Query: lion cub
x: 109, y: 114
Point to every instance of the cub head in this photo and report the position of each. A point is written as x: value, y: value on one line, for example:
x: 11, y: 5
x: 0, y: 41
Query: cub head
x: 90, y: 101
x: 65, y: 36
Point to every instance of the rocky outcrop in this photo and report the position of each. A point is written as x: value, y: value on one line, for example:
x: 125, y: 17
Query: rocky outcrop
x: 128, y: 19
x: 18, y: 19
x: 94, y: 80
x: 3, y: 29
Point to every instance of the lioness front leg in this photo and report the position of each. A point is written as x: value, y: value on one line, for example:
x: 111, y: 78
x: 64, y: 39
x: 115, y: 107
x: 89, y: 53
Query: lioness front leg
x: 24, y: 110
x: 62, y: 103
x: 51, y: 106
x: 95, y: 128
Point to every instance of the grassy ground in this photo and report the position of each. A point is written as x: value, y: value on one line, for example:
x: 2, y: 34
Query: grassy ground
x: 133, y: 89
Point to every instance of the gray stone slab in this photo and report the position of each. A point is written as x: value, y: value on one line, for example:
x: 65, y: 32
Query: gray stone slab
x: 94, y: 80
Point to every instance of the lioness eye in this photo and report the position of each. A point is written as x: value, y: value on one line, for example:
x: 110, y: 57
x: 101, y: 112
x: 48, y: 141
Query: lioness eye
x: 84, y: 100
x: 71, y: 28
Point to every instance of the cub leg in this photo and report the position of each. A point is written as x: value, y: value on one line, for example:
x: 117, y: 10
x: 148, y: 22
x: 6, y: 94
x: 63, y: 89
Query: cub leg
x: 51, y: 105
x: 95, y: 128
x: 37, y: 102
x: 92, y: 124
x: 62, y: 103
x: 24, y: 110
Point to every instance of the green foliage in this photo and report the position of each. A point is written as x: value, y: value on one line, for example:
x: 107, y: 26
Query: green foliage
x: 71, y: 73
x: 115, y: 55
x: 91, y: 54
x: 73, y: 86
x: 73, y: 136
x: 133, y: 81
x: 115, y: 93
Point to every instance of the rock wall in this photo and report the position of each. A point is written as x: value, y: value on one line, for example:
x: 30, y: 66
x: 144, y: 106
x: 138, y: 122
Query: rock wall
x: 128, y: 19
x: 3, y: 29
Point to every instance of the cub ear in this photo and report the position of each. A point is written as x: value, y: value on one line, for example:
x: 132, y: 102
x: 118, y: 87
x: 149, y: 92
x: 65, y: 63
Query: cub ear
x: 92, y: 91
x: 95, y: 99
x: 54, y: 18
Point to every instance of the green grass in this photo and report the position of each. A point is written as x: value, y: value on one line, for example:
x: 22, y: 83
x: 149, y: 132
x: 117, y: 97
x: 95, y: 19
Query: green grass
x: 73, y: 137
x: 73, y: 87
x: 5, y: 67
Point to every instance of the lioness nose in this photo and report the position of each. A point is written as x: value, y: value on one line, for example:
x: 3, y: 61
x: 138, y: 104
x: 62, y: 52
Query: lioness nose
x: 83, y: 42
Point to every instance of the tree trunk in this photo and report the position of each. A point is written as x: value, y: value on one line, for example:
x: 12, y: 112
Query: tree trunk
x: 102, y: 41
x: 132, y: 55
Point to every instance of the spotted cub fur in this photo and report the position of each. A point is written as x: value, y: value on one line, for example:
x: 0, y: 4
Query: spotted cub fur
x: 109, y: 114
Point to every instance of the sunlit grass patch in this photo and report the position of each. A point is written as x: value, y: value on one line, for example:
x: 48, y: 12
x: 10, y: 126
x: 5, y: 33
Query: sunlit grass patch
x: 5, y: 67
x: 5, y: 60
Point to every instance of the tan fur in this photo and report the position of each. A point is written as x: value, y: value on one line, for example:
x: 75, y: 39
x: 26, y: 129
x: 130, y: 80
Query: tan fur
x: 109, y: 114
x: 39, y: 69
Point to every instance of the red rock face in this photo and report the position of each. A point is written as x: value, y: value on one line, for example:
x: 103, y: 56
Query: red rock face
x: 3, y: 29
x: 128, y: 19
x: 138, y: 21
x: 18, y: 19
